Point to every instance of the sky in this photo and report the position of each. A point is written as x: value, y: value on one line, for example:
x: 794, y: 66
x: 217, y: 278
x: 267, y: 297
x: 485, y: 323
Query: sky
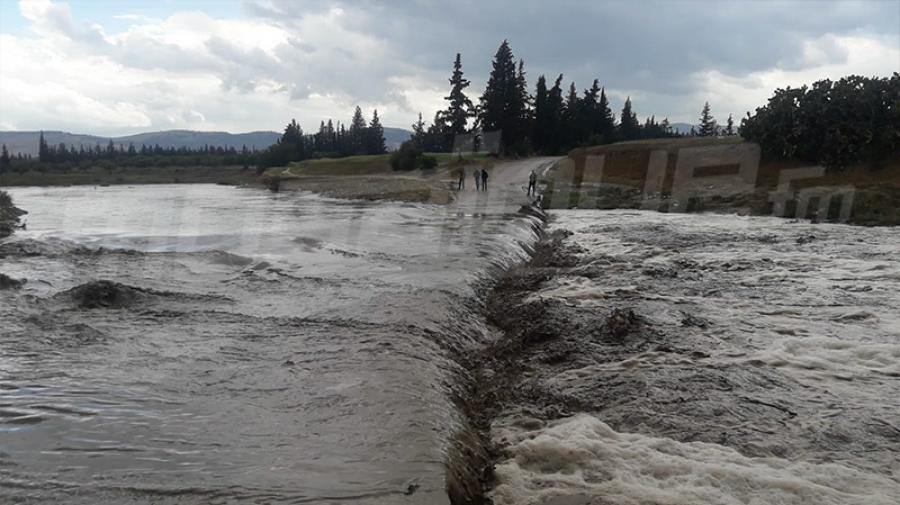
x: 115, y: 67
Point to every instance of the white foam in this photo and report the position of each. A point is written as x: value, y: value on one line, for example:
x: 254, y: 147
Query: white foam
x: 584, y: 456
x: 831, y: 358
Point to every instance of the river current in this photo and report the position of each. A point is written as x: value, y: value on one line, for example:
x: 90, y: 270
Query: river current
x: 212, y: 344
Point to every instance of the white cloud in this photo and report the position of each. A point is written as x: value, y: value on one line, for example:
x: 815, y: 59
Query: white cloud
x: 827, y: 57
x: 314, y: 61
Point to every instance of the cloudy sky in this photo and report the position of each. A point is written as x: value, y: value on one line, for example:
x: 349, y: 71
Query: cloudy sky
x: 113, y: 67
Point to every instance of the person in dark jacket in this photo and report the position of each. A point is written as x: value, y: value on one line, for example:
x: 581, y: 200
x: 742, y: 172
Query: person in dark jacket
x: 484, y: 178
x: 477, y: 174
x: 532, y: 183
x: 462, y: 179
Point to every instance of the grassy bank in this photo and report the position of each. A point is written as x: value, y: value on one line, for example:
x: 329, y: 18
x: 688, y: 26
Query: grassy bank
x: 164, y: 175
x: 372, y: 178
x: 620, y: 176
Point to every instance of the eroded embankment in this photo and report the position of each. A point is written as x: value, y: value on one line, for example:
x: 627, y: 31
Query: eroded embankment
x: 9, y: 215
x: 471, y: 459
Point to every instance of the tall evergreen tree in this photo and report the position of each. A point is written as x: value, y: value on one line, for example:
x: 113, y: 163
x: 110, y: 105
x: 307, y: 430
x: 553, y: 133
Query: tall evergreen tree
x: 555, y: 112
x: 460, y: 108
x: 607, y: 120
x: 43, y: 149
x: 572, y: 130
x: 357, y: 132
x: 708, y: 127
x: 500, y: 103
x: 541, y: 130
x: 629, y: 128
x: 418, y: 133
x: 4, y: 159
x: 523, y: 104
x: 375, y: 136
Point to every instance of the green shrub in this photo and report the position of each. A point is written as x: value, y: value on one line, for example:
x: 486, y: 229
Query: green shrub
x: 428, y: 162
x: 407, y: 157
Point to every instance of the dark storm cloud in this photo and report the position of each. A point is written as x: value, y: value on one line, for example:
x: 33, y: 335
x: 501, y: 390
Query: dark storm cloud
x: 653, y: 46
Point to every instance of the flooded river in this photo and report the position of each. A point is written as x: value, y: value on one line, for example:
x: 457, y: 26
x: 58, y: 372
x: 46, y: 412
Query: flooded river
x: 210, y: 344
x: 761, y: 365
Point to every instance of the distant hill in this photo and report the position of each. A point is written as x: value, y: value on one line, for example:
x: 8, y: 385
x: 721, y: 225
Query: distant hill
x: 393, y: 137
x: 27, y: 142
x: 683, y: 128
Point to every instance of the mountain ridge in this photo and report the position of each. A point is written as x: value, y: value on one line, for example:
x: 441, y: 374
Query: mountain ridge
x: 26, y: 142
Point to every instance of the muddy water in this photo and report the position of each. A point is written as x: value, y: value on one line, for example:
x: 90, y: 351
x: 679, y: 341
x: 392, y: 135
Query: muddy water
x: 763, y: 366
x: 209, y: 344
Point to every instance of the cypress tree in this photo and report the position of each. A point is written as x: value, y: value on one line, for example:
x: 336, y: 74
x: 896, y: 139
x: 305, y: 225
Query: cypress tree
x: 460, y: 108
x: 729, y: 128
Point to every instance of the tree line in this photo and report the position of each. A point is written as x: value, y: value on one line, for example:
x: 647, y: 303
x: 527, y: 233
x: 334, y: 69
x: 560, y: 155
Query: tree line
x: 294, y: 145
x: 62, y: 157
x: 835, y: 124
x: 331, y: 141
x: 551, y: 120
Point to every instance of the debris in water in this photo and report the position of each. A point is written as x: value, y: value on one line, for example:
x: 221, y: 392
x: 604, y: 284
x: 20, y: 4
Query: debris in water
x: 620, y: 322
x: 7, y: 282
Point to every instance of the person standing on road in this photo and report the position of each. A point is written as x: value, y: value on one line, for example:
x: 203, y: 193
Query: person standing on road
x: 532, y: 183
x: 477, y: 176
x: 484, y: 178
x: 462, y: 179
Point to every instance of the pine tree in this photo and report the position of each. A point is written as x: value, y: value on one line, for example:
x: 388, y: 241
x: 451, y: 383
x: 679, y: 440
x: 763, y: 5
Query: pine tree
x: 572, y: 131
x: 666, y: 127
x: 590, y: 107
x: 522, y: 103
x: 460, y: 108
x: 418, y: 134
x: 729, y: 128
x: 555, y: 112
x: 708, y: 125
x: 629, y: 128
x: 500, y: 107
x: 43, y: 149
x: 541, y: 130
x: 607, y: 120
x: 4, y: 159
x: 375, y: 136
x: 357, y: 132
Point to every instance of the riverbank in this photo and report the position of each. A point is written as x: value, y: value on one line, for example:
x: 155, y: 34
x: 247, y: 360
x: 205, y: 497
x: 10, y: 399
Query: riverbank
x: 372, y: 178
x: 720, y: 175
x: 9, y: 215
x: 234, y: 175
x: 673, y: 358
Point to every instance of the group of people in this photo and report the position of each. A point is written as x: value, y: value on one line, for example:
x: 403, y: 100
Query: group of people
x: 481, y: 178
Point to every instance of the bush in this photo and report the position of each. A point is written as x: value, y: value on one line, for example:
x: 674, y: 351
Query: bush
x: 407, y: 157
x: 835, y: 124
x: 428, y: 162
